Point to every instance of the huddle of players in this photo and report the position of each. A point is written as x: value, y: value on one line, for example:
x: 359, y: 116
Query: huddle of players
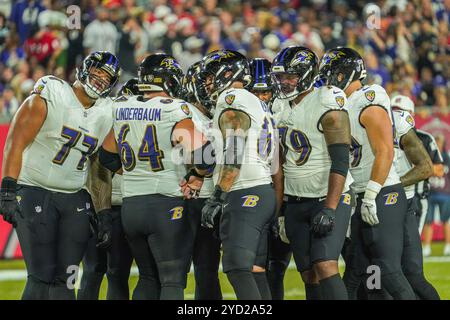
x: 207, y: 121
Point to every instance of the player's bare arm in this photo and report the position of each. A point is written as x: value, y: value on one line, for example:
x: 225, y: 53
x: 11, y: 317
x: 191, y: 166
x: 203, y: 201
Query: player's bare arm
x: 378, y: 126
x: 193, y: 141
x: 336, y: 129
x: 234, y: 125
x: 438, y: 170
x: 418, y: 156
x: 24, y: 127
x: 99, y: 184
x: 278, y: 181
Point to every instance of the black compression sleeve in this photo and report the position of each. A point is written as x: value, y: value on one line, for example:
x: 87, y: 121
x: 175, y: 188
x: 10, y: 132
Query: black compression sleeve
x: 340, y: 158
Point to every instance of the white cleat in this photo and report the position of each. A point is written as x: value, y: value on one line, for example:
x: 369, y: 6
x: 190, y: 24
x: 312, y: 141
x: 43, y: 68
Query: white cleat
x: 447, y: 249
x: 426, y: 251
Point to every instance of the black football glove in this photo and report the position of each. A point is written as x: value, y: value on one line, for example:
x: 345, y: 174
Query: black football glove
x: 104, y: 228
x: 275, y: 228
x: 9, y: 207
x: 323, y: 222
x: 213, y: 208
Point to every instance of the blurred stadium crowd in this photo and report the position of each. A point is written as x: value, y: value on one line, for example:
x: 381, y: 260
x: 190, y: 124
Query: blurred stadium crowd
x: 408, y: 53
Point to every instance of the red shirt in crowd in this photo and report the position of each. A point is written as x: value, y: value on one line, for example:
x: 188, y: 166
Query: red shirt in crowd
x: 42, y: 45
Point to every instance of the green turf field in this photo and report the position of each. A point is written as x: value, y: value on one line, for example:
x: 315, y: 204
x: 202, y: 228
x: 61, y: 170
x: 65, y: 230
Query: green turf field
x: 437, y: 272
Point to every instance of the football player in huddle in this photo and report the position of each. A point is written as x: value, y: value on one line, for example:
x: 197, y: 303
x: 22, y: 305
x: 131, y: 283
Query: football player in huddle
x: 243, y: 202
x: 279, y: 252
x: 377, y: 225
x: 413, y: 165
x: 149, y: 133
x: 45, y: 169
x: 115, y: 259
x: 315, y: 134
x: 206, y: 254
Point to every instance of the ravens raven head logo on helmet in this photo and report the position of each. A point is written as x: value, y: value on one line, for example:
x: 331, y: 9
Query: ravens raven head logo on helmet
x: 219, y: 55
x: 330, y: 57
x: 301, y: 57
x: 170, y: 63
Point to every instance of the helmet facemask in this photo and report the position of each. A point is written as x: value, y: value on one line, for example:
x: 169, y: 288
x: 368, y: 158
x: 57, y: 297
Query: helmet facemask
x: 97, y: 79
x: 289, y: 85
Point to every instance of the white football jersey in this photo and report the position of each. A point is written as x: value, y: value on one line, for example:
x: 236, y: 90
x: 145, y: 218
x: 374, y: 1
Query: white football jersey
x: 362, y: 155
x: 307, y: 162
x: 116, y: 198
x: 278, y: 106
x: 56, y: 159
x: 258, y: 155
x: 203, y: 124
x: 143, y: 130
x: 403, y: 122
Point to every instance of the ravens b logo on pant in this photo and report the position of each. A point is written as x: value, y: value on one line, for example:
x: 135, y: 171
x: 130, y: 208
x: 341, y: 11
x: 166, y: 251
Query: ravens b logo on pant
x: 391, y: 198
x: 250, y: 201
x: 177, y: 213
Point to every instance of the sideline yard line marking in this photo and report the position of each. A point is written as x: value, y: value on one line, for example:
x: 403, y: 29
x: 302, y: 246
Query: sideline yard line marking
x: 18, y: 275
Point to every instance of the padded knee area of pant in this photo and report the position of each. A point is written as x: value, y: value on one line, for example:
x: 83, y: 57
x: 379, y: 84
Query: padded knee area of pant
x: 277, y: 268
x: 206, y: 274
x: 422, y: 287
x: 173, y: 273
x: 45, y: 273
x: 397, y: 286
x: 238, y: 259
x: 36, y: 289
x: 95, y: 268
x: 118, y: 273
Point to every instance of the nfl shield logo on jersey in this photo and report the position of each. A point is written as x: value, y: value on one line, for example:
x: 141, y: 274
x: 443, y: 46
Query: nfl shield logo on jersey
x: 230, y: 98
x: 340, y: 101
x: 410, y: 120
x: 185, y: 109
x: 370, y: 95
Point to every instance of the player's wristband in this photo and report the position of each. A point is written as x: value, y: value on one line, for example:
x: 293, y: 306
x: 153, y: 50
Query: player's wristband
x: 9, y: 185
x: 219, y: 194
x: 372, y: 190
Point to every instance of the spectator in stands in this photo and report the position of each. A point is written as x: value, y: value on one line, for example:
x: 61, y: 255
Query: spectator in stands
x: 12, y: 52
x: 44, y: 46
x: 10, y: 102
x: 126, y: 50
x: 425, y: 88
x: 4, y: 30
x: 192, y: 53
x: 439, y: 197
x: 307, y: 37
x: 100, y: 34
x: 407, y: 54
x: 24, y: 15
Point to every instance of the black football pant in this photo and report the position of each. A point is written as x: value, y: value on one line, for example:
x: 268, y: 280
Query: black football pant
x: 53, y: 230
x: 280, y: 254
x: 377, y: 250
x: 115, y: 262
x: 206, y: 255
x: 244, y: 225
x: 161, y: 242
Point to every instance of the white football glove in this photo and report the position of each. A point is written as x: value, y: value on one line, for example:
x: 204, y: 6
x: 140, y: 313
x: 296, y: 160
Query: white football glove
x: 282, y: 231
x: 369, y: 205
